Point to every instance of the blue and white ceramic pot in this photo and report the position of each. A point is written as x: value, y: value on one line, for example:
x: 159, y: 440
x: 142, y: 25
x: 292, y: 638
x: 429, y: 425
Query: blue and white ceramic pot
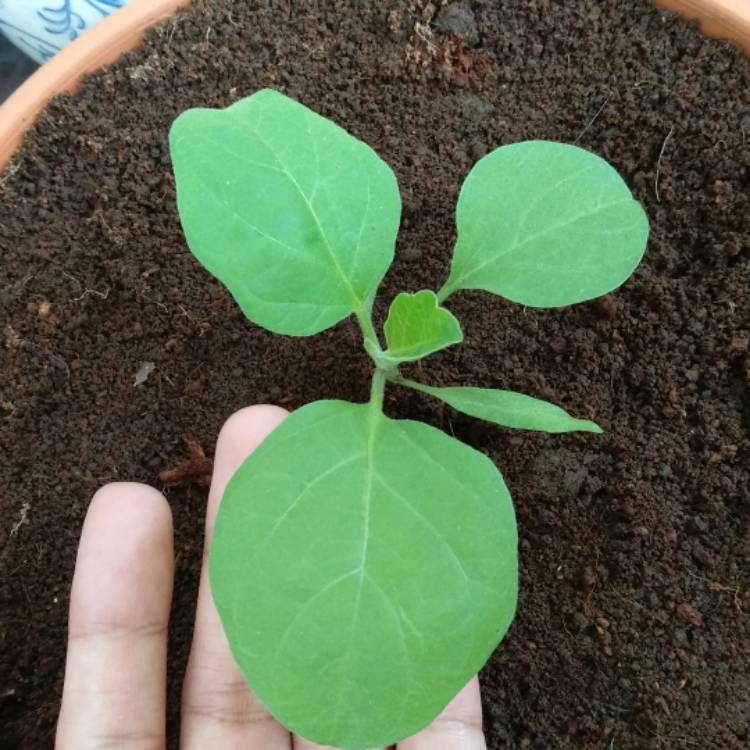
x: 41, y: 28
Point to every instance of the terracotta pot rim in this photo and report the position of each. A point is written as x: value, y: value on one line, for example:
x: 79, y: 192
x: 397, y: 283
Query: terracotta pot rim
x: 123, y: 30
x: 114, y: 35
x: 722, y: 19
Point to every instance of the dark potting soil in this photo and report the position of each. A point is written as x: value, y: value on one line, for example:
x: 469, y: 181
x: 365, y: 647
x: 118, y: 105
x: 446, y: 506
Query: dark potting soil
x: 633, y: 628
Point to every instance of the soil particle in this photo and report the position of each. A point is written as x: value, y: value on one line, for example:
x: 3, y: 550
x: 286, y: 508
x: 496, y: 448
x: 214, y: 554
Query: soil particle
x: 588, y: 578
x: 688, y: 614
x: 95, y: 280
x: 458, y: 18
x: 195, y: 469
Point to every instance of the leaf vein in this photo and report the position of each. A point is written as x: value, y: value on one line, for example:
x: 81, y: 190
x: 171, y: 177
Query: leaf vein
x: 438, y: 534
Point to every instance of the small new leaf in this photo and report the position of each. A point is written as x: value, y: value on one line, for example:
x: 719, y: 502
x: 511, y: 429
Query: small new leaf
x: 418, y: 326
x: 507, y: 408
x: 545, y: 224
x: 297, y: 217
x: 364, y: 569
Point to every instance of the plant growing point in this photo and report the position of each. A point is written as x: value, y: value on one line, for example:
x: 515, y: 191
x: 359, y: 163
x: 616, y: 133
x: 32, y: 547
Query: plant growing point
x: 364, y: 568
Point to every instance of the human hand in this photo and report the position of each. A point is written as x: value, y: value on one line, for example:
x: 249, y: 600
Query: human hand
x: 114, y: 696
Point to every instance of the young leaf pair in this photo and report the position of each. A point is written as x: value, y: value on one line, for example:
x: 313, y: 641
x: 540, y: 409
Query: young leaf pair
x: 365, y: 568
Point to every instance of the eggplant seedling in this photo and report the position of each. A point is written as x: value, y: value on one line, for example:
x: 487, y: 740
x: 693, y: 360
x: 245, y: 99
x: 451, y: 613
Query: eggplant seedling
x: 365, y: 568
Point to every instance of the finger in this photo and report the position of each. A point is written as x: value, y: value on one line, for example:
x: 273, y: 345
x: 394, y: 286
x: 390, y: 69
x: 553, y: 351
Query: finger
x: 302, y: 744
x: 115, y: 675
x: 459, y: 726
x: 218, y: 709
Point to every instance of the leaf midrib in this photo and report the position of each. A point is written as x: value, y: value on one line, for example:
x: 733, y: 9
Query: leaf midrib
x: 374, y: 416
x: 357, y: 303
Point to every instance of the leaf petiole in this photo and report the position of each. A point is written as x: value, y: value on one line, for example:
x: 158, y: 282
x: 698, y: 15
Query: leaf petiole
x: 377, y: 389
x: 368, y: 329
x: 444, y: 292
x: 381, y: 359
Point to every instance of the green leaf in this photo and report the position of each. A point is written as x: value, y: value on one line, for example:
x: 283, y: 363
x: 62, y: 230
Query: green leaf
x: 297, y: 217
x: 364, y: 569
x: 545, y: 224
x: 507, y: 408
x: 418, y: 326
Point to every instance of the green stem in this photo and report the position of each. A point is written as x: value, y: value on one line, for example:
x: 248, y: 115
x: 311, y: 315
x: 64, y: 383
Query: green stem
x: 378, y: 389
x: 372, y: 344
x: 384, y: 368
x: 368, y: 330
x: 406, y: 383
x: 445, y: 292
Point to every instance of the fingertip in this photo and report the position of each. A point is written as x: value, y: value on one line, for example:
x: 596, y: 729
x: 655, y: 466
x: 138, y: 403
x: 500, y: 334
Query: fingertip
x: 115, y: 674
x: 241, y: 434
x: 127, y: 538
x: 125, y: 502
x: 247, y: 428
x: 465, y: 710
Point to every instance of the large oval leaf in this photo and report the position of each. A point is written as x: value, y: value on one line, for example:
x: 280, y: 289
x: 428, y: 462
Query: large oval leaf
x: 364, y: 569
x: 545, y: 224
x: 297, y: 217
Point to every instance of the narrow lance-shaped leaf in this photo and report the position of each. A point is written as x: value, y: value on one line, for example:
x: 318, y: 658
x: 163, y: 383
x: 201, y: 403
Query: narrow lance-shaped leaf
x: 363, y: 582
x: 418, y: 326
x: 507, y: 408
x: 545, y: 224
x: 297, y: 217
